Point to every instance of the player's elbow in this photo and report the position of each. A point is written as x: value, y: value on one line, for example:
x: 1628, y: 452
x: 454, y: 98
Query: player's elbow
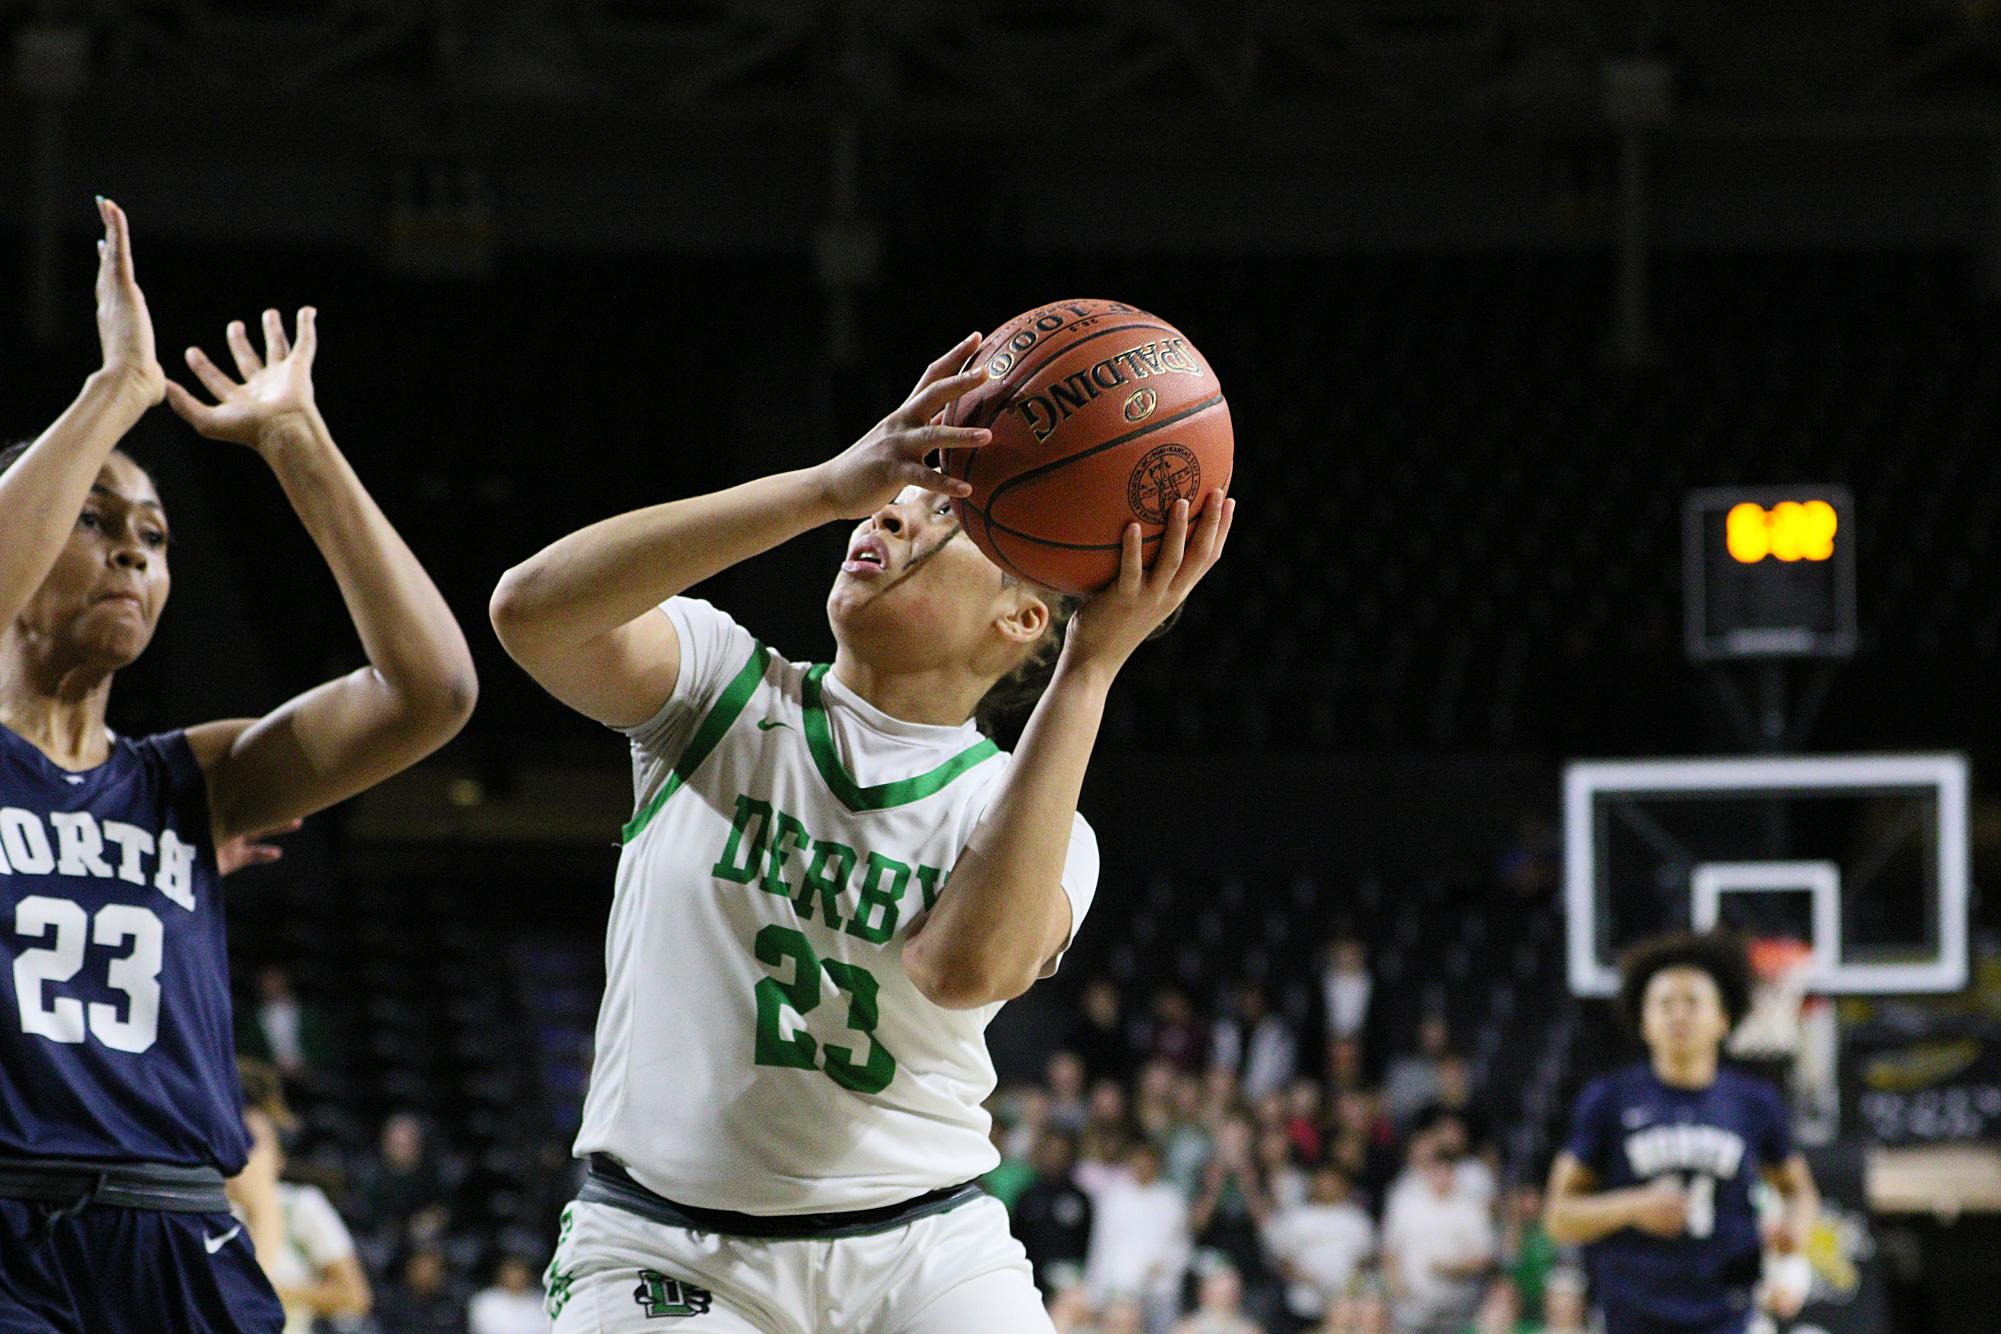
x: 434, y: 705
x: 955, y: 980
x: 510, y: 609
x: 1560, y: 1226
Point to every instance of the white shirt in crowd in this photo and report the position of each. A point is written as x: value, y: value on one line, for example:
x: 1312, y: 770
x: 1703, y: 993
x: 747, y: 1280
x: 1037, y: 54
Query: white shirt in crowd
x: 1346, y: 995
x: 1325, y: 1244
x: 314, y: 1238
x: 1265, y: 1061
x: 1472, y: 1179
x: 1139, y: 1239
x: 498, y: 1311
x: 281, y: 1022
x: 1422, y: 1230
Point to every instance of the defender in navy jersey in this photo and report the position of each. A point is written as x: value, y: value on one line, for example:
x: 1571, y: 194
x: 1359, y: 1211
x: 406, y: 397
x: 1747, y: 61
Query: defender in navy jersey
x: 120, y: 1112
x: 1657, y: 1180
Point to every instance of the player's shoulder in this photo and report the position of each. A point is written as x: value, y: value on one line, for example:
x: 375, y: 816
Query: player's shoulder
x: 1615, y: 1088
x: 989, y: 778
x: 1747, y: 1087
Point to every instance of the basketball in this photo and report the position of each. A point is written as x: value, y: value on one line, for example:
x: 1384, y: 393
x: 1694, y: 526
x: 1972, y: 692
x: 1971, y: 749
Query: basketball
x: 1102, y: 415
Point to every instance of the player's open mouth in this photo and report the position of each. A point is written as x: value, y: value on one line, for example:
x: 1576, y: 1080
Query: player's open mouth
x: 869, y: 555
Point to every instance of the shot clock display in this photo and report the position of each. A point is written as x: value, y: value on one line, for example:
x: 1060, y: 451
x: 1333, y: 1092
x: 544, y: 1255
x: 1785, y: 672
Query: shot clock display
x: 1769, y: 572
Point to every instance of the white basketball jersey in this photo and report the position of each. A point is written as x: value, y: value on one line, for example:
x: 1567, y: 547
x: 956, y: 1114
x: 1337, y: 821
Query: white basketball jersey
x: 760, y: 1047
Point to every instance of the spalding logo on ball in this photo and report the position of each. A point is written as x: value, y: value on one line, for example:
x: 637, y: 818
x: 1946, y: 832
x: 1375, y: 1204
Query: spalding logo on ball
x: 1102, y: 415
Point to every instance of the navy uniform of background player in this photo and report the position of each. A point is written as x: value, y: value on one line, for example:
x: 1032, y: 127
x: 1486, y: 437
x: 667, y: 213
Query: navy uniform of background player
x: 120, y: 1113
x: 1657, y: 1179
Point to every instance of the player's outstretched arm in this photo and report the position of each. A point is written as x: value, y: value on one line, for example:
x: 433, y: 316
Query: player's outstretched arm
x: 418, y: 688
x: 1578, y: 1213
x: 1793, y: 1180
x: 1004, y: 914
x: 44, y: 492
x: 577, y: 614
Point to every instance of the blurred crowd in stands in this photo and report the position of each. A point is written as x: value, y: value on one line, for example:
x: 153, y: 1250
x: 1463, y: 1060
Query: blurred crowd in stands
x: 384, y: 1258
x: 1177, y: 1169
x: 1176, y: 1172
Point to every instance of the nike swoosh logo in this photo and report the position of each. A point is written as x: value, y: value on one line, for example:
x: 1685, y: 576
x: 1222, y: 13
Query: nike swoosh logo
x: 214, y: 1244
x: 766, y: 724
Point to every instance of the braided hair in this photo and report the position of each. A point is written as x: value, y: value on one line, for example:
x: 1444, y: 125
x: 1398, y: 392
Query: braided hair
x: 1017, y: 692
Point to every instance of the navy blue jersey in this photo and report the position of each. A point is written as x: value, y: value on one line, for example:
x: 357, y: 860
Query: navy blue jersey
x: 115, y: 1038
x: 1629, y: 1129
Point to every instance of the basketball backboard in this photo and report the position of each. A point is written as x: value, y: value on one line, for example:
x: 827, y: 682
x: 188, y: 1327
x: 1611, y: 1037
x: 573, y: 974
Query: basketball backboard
x: 1863, y: 857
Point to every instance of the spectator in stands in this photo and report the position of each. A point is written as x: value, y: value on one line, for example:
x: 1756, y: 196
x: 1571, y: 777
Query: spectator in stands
x: 1346, y: 988
x: 1070, y: 1309
x: 1564, y: 1308
x: 1065, y: 1075
x: 422, y: 1302
x: 1052, y: 1219
x: 1363, y: 1311
x: 1100, y: 1037
x: 316, y: 1273
x: 1527, y: 1253
x: 1139, y: 1240
x: 1011, y: 1175
x: 1232, y: 1208
x: 1107, y: 1108
x: 1285, y: 1180
x: 1530, y: 864
x: 1319, y: 1246
x: 513, y: 1305
x: 1153, y: 1100
x: 1472, y: 1178
x: 1437, y: 1246
x: 1101, y: 1157
x: 1347, y: 1065
x: 404, y: 1189
x: 1175, y: 1032
x: 1185, y: 1148
x: 1501, y: 1311
x: 1456, y: 1095
x: 1255, y: 1043
x: 281, y: 1030
x: 1304, y: 1113
x: 1219, y: 1306
x: 1363, y: 1148
x: 1122, y: 1315
x: 1028, y: 1121
x: 1412, y: 1079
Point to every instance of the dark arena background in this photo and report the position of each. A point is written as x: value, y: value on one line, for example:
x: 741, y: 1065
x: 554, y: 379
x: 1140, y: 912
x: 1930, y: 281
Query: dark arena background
x: 1495, y: 287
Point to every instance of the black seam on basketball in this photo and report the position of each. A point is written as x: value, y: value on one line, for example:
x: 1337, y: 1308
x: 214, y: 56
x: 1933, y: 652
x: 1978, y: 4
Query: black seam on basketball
x: 1194, y: 410
x: 988, y: 519
x: 1144, y: 541
x: 1015, y: 391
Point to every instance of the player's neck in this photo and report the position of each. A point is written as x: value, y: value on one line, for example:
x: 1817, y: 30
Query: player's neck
x: 1689, y: 1070
x: 58, y: 712
x: 939, y: 697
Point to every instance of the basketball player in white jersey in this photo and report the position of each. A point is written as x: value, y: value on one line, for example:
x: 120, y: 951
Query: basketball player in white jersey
x: 830, y: 883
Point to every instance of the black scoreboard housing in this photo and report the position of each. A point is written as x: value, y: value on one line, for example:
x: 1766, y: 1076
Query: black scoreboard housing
x: 1770, y: 608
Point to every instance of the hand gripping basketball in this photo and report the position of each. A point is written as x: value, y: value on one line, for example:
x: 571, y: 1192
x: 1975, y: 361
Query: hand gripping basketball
x: 1113, y: 623
x: 869, y: 473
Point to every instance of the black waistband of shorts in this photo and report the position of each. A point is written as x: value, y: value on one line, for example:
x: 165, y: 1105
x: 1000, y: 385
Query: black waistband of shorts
x: 609, y: 1183
x: 76, y: 1183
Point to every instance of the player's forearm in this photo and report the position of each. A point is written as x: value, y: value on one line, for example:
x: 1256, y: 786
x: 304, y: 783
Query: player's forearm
x: 1579, y: 1219
x: 263, y: 1220
x: 335, y: 1294
x: 1802, y: 1202
x: 987, y: 938
x: 410, y: 636
x: 42, y: 494
x: 614, y: 571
